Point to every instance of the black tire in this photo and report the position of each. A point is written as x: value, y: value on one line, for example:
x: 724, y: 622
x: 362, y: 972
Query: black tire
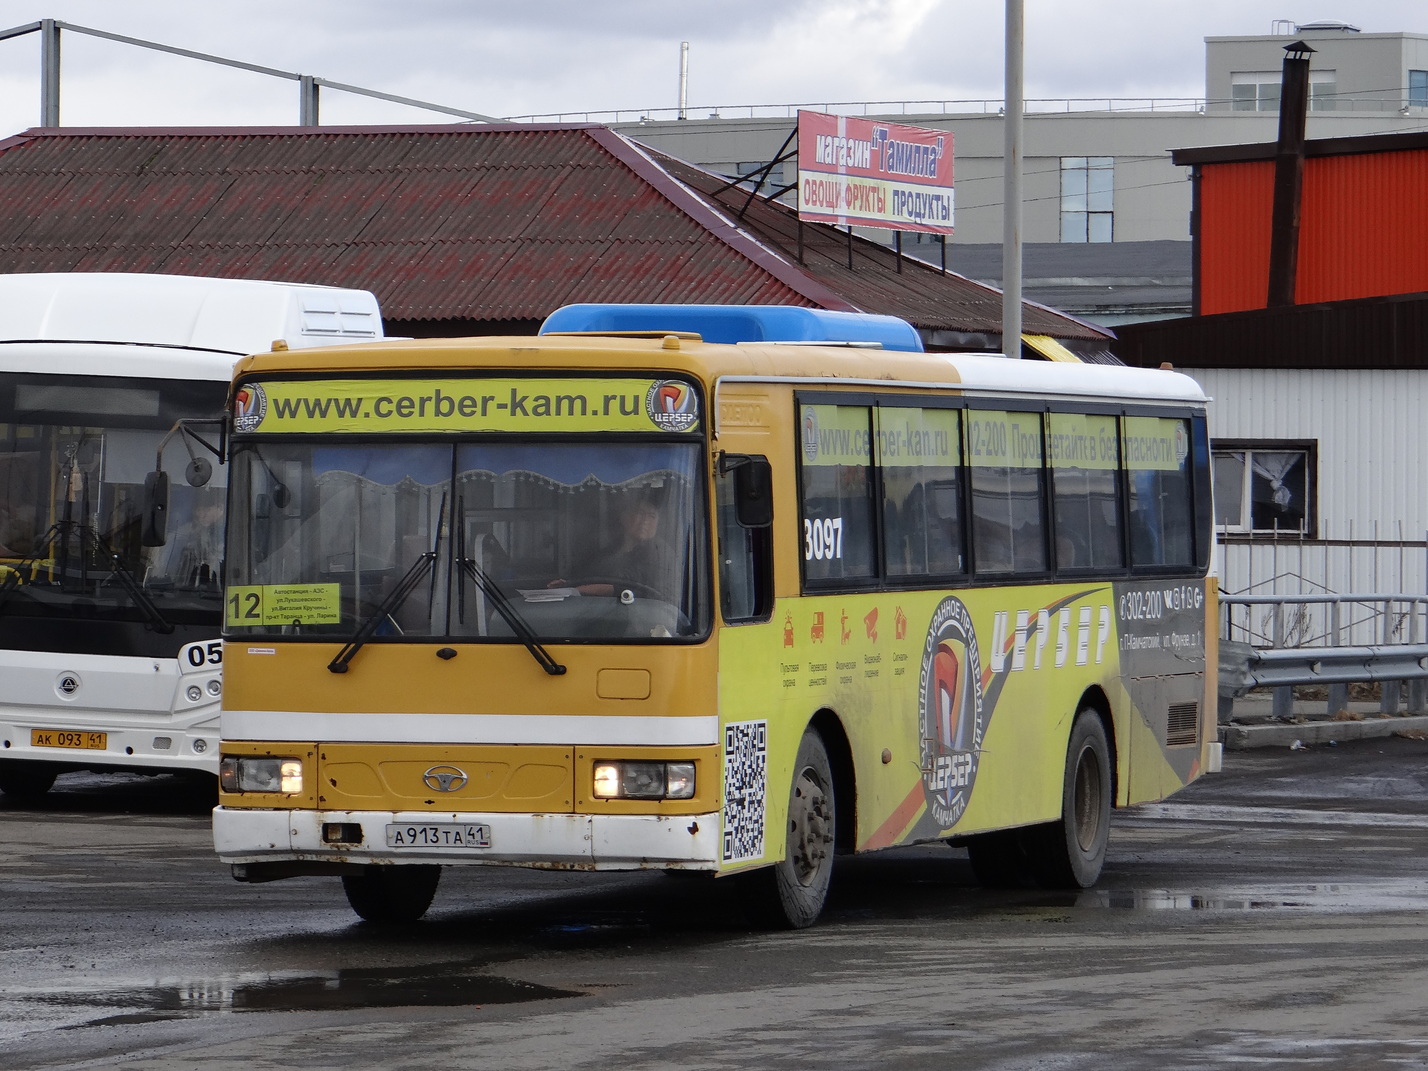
x: 1069, y: 854
x: 392, y: 895
x: 999, y: 860
x: 790, y: 894
x: 25, y: 781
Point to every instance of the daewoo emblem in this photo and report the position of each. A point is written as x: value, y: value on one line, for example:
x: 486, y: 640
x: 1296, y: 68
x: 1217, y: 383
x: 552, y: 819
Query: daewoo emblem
x: 445, y: 779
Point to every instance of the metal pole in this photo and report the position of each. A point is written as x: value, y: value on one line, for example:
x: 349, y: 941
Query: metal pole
x: 1283, y: 702
x: 1288, y: 175
x: 1011, y: 188
x: 684, y: 79
x: 1338, y: 693
x: 307, y: 100
x: 1417, y: 686
x: 49, y: 73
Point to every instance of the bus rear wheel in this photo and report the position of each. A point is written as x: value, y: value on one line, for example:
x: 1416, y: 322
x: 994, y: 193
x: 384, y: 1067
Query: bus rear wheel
x: 391, y: 895
x: 26, y: 781
x: 790, y: 895
x: 1069, y: 854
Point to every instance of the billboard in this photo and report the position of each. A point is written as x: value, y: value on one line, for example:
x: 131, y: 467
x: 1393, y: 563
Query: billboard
x: 867, y: 173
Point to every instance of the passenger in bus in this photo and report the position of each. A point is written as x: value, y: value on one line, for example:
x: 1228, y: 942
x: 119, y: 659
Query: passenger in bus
x: 194, y: 549
x: 638, y: 557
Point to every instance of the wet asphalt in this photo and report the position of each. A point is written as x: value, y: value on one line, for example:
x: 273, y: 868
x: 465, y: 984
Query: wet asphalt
x: 1272, y: 915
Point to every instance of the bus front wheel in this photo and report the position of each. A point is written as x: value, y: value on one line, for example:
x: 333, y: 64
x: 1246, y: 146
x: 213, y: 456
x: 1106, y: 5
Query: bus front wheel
x: 390, y: 895
x: 790, y: 894
x: 1069, y: 854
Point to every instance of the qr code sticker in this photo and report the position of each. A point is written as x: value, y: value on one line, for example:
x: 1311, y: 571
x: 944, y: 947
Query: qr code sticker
x: 746, y: 776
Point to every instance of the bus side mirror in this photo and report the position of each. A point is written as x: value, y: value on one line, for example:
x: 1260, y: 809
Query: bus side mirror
x: 753, y: 491
x: 154, y: 523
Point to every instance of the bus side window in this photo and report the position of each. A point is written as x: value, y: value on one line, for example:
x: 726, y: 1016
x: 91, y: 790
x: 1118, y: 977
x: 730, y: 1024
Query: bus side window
x: 1084, y: 451
x: 1157, y: 453
x: 1004, y: 453
x: 745, y: 546
x: 837, y: 534
x: 1204, y: 505
x: 919, y: 456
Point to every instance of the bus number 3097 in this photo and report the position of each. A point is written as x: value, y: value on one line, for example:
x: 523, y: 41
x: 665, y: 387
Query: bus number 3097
x: 822, y: 538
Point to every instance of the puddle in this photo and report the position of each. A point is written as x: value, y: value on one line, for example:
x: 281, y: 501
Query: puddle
x: 1338, y: 897
x: 1278, y: 816
x: 337, y: 991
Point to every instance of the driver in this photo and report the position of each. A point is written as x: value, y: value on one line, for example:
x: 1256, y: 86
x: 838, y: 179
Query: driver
x: 638, y: 557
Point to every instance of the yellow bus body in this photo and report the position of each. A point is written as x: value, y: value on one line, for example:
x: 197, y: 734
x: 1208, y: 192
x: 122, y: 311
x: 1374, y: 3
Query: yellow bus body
x: 851, y: 664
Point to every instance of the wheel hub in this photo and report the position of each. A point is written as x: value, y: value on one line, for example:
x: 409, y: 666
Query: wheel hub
x: 1087, y: 800
x: 810, y: 832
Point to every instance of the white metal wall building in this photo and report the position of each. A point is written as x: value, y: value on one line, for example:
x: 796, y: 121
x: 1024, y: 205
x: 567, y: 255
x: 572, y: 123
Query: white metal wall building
x: 1369, y: 441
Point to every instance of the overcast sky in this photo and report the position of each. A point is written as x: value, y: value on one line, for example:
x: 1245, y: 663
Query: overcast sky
x: 534, y: 57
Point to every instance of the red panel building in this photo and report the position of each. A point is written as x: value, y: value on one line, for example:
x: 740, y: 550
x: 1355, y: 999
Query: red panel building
x: 1363, y: 221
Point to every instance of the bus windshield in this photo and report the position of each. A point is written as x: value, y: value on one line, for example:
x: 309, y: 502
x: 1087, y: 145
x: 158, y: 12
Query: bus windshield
x: 73, y: 457
x: 567, y: 541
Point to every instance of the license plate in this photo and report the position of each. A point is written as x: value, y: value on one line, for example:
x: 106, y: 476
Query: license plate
x: 439, y: 835
x: 86, y: 741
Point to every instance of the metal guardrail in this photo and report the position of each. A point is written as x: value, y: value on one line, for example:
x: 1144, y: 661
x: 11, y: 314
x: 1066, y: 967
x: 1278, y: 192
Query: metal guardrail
x: 1290, y: 647
x: 1325, y: 620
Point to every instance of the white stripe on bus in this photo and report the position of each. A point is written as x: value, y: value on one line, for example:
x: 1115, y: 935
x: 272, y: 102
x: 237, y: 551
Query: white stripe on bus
x: 572, y: 730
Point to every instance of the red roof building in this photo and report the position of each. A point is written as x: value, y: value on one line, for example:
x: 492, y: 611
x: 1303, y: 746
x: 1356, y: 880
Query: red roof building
x: 461, y: 229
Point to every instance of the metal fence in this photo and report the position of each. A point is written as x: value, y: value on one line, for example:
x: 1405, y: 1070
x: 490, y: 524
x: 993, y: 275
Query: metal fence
x: 1283, y: 641
x: 1378, y: 559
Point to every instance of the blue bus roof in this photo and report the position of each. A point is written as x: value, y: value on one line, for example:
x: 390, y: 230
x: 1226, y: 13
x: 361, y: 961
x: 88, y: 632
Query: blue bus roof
x: 738, y: 323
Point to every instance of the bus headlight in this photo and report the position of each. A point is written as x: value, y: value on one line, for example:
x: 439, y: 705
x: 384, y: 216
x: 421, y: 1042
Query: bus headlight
x: 260, y: 774
x: 622, y: 780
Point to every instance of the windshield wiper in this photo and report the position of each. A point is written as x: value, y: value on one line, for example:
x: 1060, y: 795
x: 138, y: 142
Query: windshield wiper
x: 511, y: 616
x: 414, y: 576
x: 130, y: 583
x: 425, y: 563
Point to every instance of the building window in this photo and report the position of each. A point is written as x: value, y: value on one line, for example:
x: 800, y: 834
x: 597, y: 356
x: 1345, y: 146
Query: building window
x: 1418, y: 88
x: 1324, y: 92
x: 1254, y: 91
x: 1258, y: 91
x: 1087, y: 190
x: 1265, y: 488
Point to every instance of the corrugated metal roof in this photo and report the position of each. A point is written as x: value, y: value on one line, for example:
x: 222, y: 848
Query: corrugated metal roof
x: 469, y: 223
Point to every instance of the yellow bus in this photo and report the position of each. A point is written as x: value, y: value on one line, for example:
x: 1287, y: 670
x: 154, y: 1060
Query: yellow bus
x: 722, y: 589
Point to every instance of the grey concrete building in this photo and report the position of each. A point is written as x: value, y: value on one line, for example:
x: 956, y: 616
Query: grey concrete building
x: 1106, y: 214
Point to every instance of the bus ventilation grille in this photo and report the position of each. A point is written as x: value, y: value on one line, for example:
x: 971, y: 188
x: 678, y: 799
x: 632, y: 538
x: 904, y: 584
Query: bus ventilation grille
x: 1181, y: 725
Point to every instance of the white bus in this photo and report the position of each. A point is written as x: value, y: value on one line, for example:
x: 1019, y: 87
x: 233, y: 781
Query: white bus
x: 109, y: 650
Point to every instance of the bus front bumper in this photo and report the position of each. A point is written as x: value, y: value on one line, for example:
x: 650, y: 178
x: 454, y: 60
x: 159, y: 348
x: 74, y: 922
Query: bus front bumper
x: 559, y: 841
